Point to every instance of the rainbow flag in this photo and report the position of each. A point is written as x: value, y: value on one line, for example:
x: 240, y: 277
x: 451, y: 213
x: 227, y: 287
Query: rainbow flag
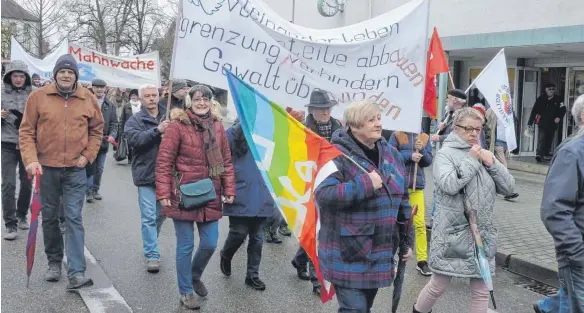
x: 289, y: 156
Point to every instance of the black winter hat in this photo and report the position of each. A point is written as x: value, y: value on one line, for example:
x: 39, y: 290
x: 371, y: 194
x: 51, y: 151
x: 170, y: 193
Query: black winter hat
x: 457, y: 93
x: 66, y: 62
x: 133, y: 92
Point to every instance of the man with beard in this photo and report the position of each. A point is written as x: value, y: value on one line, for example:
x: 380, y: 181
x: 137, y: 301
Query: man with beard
x: 17, y: 87
x: 60, y: 133
x: 455, y: 101
x: 132, y: 107
x: 110, y: 133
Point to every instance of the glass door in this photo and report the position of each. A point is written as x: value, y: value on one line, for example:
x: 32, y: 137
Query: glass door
x: 531, y: 80
x: 574, y: 90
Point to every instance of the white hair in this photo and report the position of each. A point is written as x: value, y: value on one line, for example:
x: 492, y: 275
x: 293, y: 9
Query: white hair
x: 358, y: 112
x: 144, y: 87
x: 578, y: 110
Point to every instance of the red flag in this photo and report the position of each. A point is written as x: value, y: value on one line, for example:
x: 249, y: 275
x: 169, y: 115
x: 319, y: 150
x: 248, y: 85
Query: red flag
x: 435, y: 64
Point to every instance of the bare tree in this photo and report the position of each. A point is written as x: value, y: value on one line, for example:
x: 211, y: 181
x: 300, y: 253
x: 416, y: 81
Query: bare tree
x: 50, y: 15
x: 100, y: 24
x: 148, y: 22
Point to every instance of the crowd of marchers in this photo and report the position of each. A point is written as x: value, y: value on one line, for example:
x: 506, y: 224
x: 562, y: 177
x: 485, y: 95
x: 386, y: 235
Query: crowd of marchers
x: 187, y: 167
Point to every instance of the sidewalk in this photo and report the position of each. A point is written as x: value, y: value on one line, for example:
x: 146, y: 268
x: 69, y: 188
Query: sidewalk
x: 523, y: 244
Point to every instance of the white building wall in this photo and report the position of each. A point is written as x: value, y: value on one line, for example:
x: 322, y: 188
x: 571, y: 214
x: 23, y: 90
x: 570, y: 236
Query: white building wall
x: 452, y: 17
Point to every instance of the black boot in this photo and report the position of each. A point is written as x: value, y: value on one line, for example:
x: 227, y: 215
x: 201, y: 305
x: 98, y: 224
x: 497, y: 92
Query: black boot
x: 415, y: 311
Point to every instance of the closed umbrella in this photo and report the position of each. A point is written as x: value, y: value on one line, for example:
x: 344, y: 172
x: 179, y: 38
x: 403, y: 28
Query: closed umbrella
x: 401, y: 266
x: 35, y: 209
x: 471, y: 215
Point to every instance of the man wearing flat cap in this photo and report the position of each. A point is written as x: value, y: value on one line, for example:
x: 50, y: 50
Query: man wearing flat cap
x: 320, y: 121
x: 455, y: 101
x: 110, y: 134
x: 179, y: 92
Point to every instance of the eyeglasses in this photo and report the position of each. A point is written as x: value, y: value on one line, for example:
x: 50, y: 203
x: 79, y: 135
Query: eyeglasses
x: 470, y: 130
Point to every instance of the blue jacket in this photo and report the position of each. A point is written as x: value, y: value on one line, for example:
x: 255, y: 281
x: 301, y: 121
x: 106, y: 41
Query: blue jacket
x: 359, y: 225
x: 405, y: 143
x: 143, y: 137
x: 253, y: 198
x: 562, y: 205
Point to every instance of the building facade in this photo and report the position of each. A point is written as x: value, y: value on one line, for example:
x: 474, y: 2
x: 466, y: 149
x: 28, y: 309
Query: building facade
x: 543, y: 41
x: 21, y: 24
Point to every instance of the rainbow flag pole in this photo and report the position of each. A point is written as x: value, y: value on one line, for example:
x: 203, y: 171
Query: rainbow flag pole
x: 289, y: 156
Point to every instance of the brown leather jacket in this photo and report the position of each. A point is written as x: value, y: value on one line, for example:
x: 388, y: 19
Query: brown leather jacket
x: 56, y: 131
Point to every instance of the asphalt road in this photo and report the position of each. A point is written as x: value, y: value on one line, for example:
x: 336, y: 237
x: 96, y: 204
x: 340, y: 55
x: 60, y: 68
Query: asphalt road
x: 113, y: 239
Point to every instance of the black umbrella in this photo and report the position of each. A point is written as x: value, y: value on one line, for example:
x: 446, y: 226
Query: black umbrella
x: 401, y: 266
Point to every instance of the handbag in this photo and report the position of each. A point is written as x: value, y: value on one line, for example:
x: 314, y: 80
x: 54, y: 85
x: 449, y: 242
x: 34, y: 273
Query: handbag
x: 122, y: 151
x: 195, y: 195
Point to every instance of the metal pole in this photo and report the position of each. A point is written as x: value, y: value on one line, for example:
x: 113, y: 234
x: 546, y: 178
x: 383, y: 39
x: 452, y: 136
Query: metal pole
x: 293, y: 10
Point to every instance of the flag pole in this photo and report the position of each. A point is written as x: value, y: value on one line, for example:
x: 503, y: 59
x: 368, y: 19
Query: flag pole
x: 451, y: 80
x: 481, y: 73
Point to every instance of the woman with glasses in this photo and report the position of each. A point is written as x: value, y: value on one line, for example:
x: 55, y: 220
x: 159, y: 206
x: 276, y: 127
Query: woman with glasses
x: 463, y: 171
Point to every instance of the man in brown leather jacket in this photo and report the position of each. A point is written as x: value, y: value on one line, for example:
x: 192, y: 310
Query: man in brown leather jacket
x: 61, y: 132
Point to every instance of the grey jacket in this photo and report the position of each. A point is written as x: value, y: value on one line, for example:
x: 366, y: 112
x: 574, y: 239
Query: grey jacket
x: 562, y: 205
x: 452, y: 246
x: 14, y: 99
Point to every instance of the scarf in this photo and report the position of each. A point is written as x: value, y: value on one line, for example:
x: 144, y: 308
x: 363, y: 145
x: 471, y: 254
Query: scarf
x: 205, y: 124
x: 136, y: 106
x: 325, y: 129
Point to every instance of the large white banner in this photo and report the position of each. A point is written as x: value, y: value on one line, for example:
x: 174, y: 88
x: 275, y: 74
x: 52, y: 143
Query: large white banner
x: 493, y: 82
x: 117, y: 71
x: 44, y: 67
x: 382, y: 59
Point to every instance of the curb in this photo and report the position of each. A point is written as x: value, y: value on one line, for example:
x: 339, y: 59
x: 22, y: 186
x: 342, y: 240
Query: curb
x: 527, y: 268
x: 521, y: 266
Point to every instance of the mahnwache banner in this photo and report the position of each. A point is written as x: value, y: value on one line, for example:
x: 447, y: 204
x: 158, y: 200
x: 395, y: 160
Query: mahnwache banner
x: 382, y: 59
x: 118, y: 71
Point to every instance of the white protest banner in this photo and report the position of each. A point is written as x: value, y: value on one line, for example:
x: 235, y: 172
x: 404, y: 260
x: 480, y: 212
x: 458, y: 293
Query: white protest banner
x: 117, y: 71
x: 382, y: 59
x: 44, y: 67
x: 493, y: 82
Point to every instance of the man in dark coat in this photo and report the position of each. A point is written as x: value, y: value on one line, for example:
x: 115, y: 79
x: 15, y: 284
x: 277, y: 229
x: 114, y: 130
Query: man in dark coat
x: 562, y: 213
x: 17, y: 87
x: 132, y: 107
x: 547, y: 113
x: 144, y: 133
x: 110, y: 134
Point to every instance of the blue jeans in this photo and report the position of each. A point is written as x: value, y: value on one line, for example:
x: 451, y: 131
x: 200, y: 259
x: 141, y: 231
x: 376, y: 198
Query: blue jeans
x: 355, y: 300
x: 68, y: 183
x: 189, y: 269
x: 241, y: 227
x: 151, y: 221
x: 94, y: 181
x: 572, y: 281
x: 557, y: 303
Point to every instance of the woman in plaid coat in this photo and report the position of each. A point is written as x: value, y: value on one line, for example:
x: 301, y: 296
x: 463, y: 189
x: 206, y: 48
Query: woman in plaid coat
x: 361, y: 212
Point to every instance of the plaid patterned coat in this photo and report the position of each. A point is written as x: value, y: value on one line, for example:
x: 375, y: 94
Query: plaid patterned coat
x: 359, y: 225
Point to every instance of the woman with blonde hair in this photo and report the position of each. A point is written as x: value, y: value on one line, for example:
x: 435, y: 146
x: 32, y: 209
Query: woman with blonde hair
x: 361, y: 206
x: 193, y: 173
x: 464, y: 174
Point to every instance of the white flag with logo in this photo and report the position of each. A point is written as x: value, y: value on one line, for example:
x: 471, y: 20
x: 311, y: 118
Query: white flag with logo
x: 493, y: 82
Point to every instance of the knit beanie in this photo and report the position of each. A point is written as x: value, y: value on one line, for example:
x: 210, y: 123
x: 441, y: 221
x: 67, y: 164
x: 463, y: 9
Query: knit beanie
x: 66, y: 62
x: 481, y: 108
x: 178, y: 84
